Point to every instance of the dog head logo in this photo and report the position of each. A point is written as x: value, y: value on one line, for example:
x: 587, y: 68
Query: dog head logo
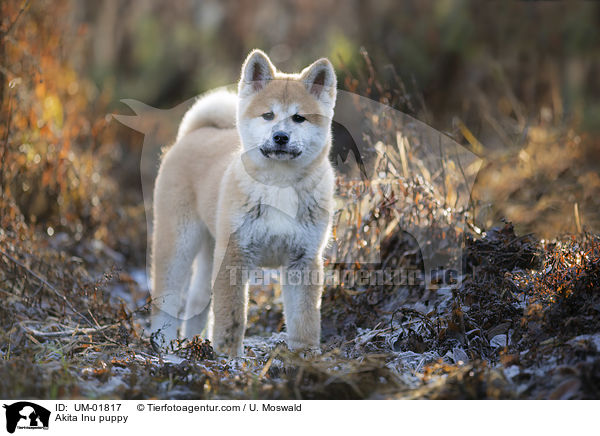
x: 26, y: 415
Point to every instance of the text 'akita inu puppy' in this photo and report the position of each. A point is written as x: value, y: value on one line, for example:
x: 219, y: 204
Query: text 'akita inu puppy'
x: 248, y: 184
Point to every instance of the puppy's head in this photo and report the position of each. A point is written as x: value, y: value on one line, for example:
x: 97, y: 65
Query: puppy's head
x: 285, y: 118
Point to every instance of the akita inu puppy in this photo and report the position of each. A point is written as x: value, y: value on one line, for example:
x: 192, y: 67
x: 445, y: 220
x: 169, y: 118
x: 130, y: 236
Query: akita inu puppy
x: 248, y: 184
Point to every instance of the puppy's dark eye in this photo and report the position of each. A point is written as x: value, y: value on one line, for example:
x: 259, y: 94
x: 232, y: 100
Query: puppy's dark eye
x: 298, y: 118
x: 268, y: 116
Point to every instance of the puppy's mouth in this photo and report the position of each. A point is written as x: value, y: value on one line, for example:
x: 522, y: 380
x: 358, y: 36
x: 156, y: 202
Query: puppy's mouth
x: 280, y: 154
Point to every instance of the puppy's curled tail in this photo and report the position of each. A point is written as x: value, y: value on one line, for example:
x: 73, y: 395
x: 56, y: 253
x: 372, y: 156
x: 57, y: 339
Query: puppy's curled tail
x: 215, y: 109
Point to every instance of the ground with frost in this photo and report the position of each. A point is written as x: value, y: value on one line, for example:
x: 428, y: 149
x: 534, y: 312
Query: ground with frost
x: 522, y: 323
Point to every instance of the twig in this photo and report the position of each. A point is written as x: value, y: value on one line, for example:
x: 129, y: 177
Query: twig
x: 5, y: 142
x: 400, y: 142
x: 265, y: 369
x: 471, y: 202
x: 408, y: 311
x: 65, y: 333
x: 443, y: 163
x: 45, y: 283
x: 99, y: 328
x: 577, y: 218
x: 11, y: 25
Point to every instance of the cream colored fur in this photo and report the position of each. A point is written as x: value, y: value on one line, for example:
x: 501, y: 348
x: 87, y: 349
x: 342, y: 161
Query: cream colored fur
x: 225, y: 201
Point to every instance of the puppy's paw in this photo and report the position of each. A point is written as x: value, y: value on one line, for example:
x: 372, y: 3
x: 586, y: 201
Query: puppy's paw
x: 229, y: 351
x: 304, y: 350
x: 164, y: 326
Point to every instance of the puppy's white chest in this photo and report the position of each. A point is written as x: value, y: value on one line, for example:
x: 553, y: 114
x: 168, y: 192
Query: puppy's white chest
x: 270, y: 227
x: 276, y: 211
x: 280, y: 200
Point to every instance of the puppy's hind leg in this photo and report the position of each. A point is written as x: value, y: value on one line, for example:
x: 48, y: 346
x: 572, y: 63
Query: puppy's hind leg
x: 176, y: 241
x: 199, y: 294
x: 230, y: 298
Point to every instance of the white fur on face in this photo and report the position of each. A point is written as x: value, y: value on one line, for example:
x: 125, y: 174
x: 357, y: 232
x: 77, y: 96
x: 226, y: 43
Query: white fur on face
x: 306, y: 137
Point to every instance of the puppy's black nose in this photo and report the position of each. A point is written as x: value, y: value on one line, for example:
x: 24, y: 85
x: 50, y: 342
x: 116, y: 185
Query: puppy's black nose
x: 281, y: 138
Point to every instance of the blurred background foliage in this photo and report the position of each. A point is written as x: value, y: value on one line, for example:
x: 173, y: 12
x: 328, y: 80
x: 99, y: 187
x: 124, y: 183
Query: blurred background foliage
x: 518, y: 82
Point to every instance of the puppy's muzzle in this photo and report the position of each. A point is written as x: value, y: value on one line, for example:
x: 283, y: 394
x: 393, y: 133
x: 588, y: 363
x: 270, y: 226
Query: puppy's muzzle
x: 280, y: 148
x: 280, y: 154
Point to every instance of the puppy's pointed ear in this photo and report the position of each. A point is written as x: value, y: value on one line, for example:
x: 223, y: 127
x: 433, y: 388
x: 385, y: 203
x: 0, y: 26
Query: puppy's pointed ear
x: 320, y: 80
x: 256, y: 73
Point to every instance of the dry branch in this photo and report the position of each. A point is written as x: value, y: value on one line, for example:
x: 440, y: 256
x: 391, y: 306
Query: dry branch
x: 47, y: 284
x: 65, y: 333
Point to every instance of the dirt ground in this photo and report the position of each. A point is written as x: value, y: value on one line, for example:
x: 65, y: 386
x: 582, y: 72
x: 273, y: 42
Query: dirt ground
x: 523, y: 323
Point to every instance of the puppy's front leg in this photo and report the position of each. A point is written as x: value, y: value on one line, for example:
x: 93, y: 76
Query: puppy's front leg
x: 230, y: 299
x: 302, y: 289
